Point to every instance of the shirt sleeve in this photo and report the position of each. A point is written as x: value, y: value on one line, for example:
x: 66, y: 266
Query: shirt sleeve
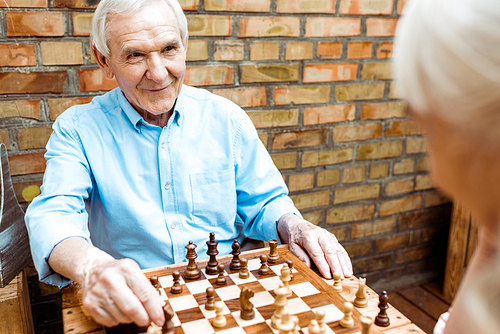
x: 441, y: 323
x: 59, y: 211
x: 262, y: 195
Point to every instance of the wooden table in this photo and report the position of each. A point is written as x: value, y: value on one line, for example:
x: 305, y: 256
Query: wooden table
x: 76, y: 322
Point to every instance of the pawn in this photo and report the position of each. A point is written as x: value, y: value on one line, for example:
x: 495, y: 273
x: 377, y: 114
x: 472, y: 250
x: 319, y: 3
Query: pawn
x: 219, y: 320
x: 361, y: 299
x: 264, y: 269
x: 244, y: 274
x: 366, y: 324
x: 177, y: 287
x: 347, y: 321
x: 290, y: 265
x: 382, y: 319
x: 221, y: 279
x: 337, y: 287
x: 313, y: 327
x: 320, y: 318
x: 154, y: 281
x: 210, y: 305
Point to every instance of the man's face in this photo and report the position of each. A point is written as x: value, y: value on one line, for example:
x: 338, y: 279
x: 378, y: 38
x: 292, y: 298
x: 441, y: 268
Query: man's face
x: 147, y: 57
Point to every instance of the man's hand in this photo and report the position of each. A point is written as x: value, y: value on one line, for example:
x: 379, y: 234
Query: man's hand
x: 114, y: 291
x: 307, y: 240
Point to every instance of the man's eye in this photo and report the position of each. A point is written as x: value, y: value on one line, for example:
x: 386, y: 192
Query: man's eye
x: 169, y: 48
x: 136, y: 54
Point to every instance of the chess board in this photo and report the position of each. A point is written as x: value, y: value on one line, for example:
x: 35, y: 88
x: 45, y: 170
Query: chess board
x: 310, y: 293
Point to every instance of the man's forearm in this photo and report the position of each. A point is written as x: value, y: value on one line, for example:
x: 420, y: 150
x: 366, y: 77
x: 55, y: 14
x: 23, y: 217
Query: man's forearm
x: 73, y: 258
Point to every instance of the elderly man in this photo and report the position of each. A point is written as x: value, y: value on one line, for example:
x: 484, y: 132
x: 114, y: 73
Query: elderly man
x: 140, y: 171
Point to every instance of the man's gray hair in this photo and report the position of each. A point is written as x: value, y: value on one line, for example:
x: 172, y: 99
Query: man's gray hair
x: 106, y: 8
x: 447, y: 59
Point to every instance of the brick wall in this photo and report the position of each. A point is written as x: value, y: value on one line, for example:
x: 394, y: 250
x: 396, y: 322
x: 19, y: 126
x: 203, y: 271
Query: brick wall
x: 315, y: 78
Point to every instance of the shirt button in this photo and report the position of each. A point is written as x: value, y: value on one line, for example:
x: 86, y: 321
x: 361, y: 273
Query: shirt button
x: 167, y: 186
x: 163, y: 145
x: 172, y: 225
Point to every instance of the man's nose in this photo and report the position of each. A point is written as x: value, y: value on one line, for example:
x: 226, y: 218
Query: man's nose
x: 156, y: 70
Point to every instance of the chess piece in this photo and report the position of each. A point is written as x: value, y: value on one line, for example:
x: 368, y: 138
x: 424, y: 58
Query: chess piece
x: 247, y: 312
x: 244, y: 274
x: 286, y: 324
x: 264, y: 269
x: 337, y: 287
x: 211, y: 268
x: 221, y: 279
x: 280, y: 302
x: 273, y: 252
x: 347, y: 321
x: 235, y: 262
x: 192, y: 271
x: 382, y: 319
x: 361, y: 299
x: 313, y: 327
x: 154, y: 282
x: 285, y: 278
x: 168, y: 325
x: 290, y: 265
x: 210, y: 304
x: 320, y: 318
x: 219, y: 320
x: 176, y: 287
x: 366, y: 324
x: 153, y: 329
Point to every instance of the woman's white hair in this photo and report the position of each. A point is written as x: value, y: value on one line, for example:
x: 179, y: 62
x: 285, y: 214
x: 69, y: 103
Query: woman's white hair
x: 106, y: 8
x: 447, y: 60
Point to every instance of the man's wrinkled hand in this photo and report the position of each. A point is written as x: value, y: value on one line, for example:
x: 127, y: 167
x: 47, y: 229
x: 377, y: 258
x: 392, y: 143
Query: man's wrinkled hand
x: 308, y: 241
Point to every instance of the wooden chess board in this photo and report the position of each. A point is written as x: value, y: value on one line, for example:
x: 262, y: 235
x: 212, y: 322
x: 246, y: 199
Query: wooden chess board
x: 310, y: 293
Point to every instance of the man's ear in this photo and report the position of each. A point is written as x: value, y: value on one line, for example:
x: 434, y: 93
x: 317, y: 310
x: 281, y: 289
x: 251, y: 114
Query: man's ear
x: 103, y: 62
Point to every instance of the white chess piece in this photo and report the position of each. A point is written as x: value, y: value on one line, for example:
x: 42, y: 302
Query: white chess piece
x: 219, y: 320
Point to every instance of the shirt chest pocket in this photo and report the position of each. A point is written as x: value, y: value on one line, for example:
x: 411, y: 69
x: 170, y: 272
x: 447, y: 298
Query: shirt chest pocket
x: 214, y: 197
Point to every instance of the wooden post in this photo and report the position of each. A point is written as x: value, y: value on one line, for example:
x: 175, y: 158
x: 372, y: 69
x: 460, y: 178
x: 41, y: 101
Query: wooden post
x: 15, y: 307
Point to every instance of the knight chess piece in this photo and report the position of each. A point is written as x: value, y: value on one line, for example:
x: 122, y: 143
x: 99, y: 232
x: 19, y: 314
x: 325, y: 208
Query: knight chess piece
x: 211, y: 268
x: 247, y: 312
x: 192, y: 271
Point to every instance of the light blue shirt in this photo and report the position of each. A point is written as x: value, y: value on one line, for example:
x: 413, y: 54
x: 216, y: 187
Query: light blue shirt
x: 140, y: 191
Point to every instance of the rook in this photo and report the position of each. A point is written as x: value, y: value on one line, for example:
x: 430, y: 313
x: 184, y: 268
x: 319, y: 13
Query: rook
x: 273, y: 251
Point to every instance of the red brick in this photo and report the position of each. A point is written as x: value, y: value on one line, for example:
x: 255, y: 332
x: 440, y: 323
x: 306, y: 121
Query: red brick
x: 264, y: 50
x: 354, y: 174
x: 378, y: 171
x: 380, y: 150
x: 330, y: 72
x: 35, y: 24
x: 403, y: 128
x: 413, y: 254
x: 28, y: 163
x: 306, y: 6
x: 17, y: 54
x: 423, y: 182
x: 82, y: 24
x: 393, y: 242
x: 435, y: 199
x: 93, y: 80
x: 313, y: 217
x: 365, y: 7
x: 295, y: 139
x: 340, y: 233
x: 401, y: 5
x: 285, y: 160
x: 4, y: 137
x: 415, y: 145
x: 332, y: 26
x: 32, y: 83
x: 359, y: 249
x: 357, y: 193
x: 428, y: 217
x: 301, y: 182
x: 301, y: 94
x: 383, y: 110
x: 23, y: 3
x: 262, y: 26
x: 27, y: 190
x: 344, y: 133
x: 197, y: 50
x: 373, y: 263
x: 379, y: 226
x: 31, y: 138
x: 189, y: 4
x: 61, y: 53
x: 380, y: 27
x: 384, y: 50
x: 319, y: 158
x: 244, y: 97
x: 329, y: 114
x: 377, y: 71
x: 209, y: 75
x: 329, y: 50
x: 299, y: 50
x: 209, y: 25
x: 359, y: 50
x: 328, y: 177
x: 399, y: 186
x: 311, y: 200
x: 423, y: 165
x: 269, y: 73
x: 20, y: 108
x: 350, y: 213
x: 57, y: 106
x: 74, y: 4
x: 274, y: 118
x: 263, y: 136
x: 404, y: 166
x: 359, y: 92
x: 400, y: 205
x: 238, y: 5
x: 229, y: 50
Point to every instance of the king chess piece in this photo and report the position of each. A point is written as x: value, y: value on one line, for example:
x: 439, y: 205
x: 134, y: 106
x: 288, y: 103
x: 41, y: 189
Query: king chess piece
x: 192, y: 271
x: 211, y: 268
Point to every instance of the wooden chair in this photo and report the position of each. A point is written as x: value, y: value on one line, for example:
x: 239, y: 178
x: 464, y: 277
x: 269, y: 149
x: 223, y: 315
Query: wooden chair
x: 15, y: 307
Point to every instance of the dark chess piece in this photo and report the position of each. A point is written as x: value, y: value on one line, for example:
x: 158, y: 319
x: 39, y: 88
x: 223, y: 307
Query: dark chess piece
x: 154, y: 281
x: 177, y: 287
x: 211, y: 268
x: 168, y: 325
x: 273, y: 252
x: 382, y: 319
x: 247, y: 312
x: 221, y: 280
x: 192, y: 271
x: 244, y: 274
x: 235, y: 262
x: 210, y: 304
x: 264, y: 269
x: 290, y: 265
